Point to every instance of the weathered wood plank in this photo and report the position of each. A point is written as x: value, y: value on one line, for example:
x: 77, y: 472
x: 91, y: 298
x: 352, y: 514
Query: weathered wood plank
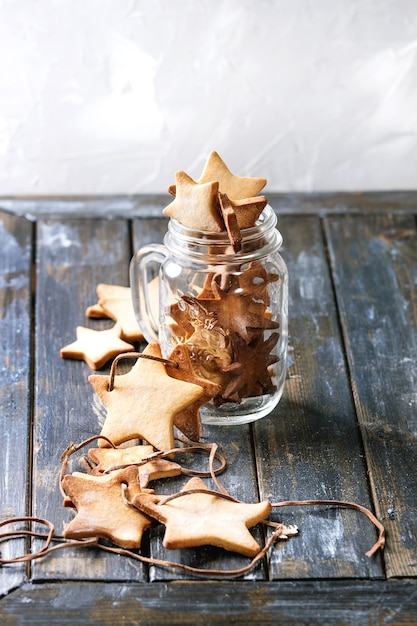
x: 330, y: 203
x: 310, y: 447
x: 87, y: 206
x: 209, y: 603
x: 72, y: 258
x: 374, y: 263
x: 239, y: 478
x: 148, y: 231
x: 15, y: 381
x: 151, y: 205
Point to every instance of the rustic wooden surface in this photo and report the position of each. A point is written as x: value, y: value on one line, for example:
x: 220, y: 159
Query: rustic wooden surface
x: 344, y: 429
x: 15, y: 381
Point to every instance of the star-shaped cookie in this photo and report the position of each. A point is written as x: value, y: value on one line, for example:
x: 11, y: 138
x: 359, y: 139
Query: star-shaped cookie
x: 101, y: 508
x: 235, y: 312
x: 195, y: 205
x: 249, y: 372
x: 96, y: 347
x: 230, y: 221
x: 254, y: 281
x: 144, y: 402
x: 236, y: 187
x: 204, y: 519
x: 188, y: 420
x: 108, y: 458
x: 116, y: 302
x: 96, y: 311
x: 248, y: 210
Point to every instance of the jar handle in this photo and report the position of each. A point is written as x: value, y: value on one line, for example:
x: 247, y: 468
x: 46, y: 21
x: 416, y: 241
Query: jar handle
x: 140, y: 278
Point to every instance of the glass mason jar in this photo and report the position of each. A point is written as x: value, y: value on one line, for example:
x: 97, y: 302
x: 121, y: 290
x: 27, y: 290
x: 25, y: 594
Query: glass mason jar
x: 228, y: 308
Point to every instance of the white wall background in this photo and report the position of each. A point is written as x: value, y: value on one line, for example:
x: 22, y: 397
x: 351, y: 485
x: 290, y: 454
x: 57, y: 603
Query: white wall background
x: 114, y: 96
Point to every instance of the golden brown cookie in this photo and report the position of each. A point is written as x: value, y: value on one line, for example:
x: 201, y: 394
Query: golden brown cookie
x: 96, y: 347
x: 101, y: 508
x: 181, y: 326
x: 200, y: 519
x: 110, y: 459
x: 188, y: 420
x: 144, y: 402
x: 235, y: 312
x: 96, y: 311
x: 236, y: 187
x: 248, y: 210
x: 195, y: 206
x: 249, y: 373
x: 116, y: 302
x: 230, y: 222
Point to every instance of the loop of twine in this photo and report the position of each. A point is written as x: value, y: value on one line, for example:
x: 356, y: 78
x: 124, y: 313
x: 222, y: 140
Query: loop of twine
x: 192, y: 446
x: 71, y: 449
x: 342, y: 503
x: 49, y: 537
x: 135, y: 355
x: 95, y: 541
x: 221, y: 493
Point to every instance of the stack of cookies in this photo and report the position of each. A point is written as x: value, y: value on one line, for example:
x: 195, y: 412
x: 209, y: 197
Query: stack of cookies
x: 224, y: 336
x: 228, y: 327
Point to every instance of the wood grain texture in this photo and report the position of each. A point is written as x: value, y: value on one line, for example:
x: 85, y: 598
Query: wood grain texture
x: 309, y: 447
x: 151, y: 205
x: 149, y: 230
x: 374, y: 261
x: 345, y: 427
x: 72, y: 258
x: 303, y: 603
x: 15, y: 381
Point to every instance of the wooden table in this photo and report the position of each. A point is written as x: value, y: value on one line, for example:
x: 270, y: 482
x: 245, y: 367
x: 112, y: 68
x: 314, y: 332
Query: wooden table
x: 345, y: 428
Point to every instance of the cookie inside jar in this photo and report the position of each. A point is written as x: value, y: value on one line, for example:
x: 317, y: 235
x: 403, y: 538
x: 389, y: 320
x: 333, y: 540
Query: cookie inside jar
x: 223, y: 290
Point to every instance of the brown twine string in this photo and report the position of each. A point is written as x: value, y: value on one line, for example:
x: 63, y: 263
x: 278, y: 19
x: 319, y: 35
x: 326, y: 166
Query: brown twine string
x: 95, y: 541
x: 344, y: 504
x: 184, y: 470
x: 213, y: 455
x: 222, y: 493
x: 340, y: 503
x: 197, y: 570
x: 135, y: 355
x: 192, y: 446
x: 49, y: 537
x: 188, y: 492
x: 29, y: 532
x: 71, y: 449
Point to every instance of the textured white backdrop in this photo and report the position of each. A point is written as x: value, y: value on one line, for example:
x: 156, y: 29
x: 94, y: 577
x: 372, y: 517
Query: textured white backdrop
x: 114, y: 96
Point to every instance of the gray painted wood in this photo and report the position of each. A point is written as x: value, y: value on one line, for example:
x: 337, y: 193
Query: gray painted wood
x: 309, y: 447
x: 376, y: 257
x: 15, y: 381
x: 345, y: 427
x: 72, y: 258
x: 200, y: 603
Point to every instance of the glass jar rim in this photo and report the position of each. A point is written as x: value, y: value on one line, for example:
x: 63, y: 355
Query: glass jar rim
x: 266, y: 221
x: 260, y: 239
